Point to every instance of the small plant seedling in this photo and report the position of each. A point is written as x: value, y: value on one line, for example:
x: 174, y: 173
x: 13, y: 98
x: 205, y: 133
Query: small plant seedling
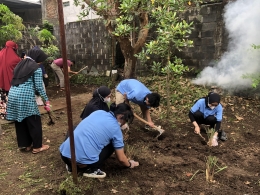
x: 210, y: 133
x: 212, y: 168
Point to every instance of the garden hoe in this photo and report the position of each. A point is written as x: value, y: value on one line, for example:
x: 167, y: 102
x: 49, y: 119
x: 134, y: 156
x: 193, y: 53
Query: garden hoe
x: 158, y: 128
x: 80, y: 70
x: 51, y: 122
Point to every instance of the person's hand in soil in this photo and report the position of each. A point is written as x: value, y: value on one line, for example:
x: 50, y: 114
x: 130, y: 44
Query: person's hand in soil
x: 151, y: 124
x: 214, y: 141
x: 133, y: 164
x: 197, y: 127
x: 120, y: 154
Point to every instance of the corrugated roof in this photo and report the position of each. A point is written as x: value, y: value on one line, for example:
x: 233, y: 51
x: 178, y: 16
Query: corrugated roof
x: 21, y: 4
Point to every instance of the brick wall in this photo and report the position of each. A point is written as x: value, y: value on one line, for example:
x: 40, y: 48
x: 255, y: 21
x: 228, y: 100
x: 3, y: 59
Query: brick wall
x: 89, y: 43
x: 208, y: 35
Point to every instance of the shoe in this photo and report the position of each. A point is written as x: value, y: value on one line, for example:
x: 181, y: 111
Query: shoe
x: 222, y: 135
x: 95, y: 174
x: 68, y: 169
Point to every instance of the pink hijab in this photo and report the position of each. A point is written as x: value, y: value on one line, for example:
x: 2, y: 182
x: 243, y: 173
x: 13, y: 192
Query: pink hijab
x: 8, y: 60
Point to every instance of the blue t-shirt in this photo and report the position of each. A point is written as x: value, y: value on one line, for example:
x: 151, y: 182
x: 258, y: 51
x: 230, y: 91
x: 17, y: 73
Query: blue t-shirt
x: 134, y: 89
x: 200, y: 105
x: 91, y: 135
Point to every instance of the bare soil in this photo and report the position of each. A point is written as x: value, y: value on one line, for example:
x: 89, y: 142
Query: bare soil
x: 171, y: 165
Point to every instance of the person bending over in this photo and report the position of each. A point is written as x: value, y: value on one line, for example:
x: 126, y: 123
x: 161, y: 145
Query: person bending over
x: 57, y: 67
x: 97, y: 137
x: 136, y: 92
x: 208, y: 111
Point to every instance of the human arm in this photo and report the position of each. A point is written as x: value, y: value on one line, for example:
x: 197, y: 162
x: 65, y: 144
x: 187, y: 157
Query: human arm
x: 195, y: 124
x: 219, y: 115
x: 70, y: 71
x: 146, y: 115
x: 38, y: 84
x: 120, y: 154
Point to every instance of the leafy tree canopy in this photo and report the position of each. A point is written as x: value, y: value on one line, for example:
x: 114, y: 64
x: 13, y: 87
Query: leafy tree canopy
x: 10, y: 25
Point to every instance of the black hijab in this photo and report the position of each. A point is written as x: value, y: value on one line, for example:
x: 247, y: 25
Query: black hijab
x: 212, y: 97
x: 97, y: 102
x: 28, y: 66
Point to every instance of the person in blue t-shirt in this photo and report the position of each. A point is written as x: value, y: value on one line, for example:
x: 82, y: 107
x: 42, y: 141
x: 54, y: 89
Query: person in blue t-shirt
x: 96, y: 138
x: 136, y: 92
x: 208, y: 111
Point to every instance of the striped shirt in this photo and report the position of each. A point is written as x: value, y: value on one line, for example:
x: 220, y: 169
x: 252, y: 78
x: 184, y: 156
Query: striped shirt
x: 21, y: 98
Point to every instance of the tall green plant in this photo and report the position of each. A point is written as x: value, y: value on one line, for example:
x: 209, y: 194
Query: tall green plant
x: 46, y: 38
x: 172, y: 34
x: 128, y: 22
x: 10, y: 25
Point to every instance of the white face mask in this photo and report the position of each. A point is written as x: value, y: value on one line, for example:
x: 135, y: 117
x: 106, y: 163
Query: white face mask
x: 107, y: 100
x: 211, y: 107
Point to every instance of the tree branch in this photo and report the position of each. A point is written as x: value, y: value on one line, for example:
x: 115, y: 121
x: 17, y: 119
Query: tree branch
x: 143, y: 33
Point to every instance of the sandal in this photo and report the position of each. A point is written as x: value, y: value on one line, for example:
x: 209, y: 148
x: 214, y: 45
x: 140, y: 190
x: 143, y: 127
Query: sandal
x: 43, y: 148
x: 26, y: 149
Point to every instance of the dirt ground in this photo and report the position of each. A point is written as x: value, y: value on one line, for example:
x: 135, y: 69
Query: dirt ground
x: 172, y: 165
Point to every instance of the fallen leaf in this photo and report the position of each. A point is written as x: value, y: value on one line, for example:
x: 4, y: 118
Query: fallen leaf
x: 48, y: 141
x: 189, y: 174
x: 239, y: 118
x: 114, y: 191
x: 232, y: 133
x: 43, y: 167
x: 233, y: 109
x: 247, y: 182
x: 173, y: 108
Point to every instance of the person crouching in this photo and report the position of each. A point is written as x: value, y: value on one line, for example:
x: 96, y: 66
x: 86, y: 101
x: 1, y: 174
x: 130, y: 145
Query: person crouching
x: 96, y: 138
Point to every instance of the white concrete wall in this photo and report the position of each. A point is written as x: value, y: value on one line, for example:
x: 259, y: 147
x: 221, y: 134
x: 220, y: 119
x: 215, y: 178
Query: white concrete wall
x: 71, y: 12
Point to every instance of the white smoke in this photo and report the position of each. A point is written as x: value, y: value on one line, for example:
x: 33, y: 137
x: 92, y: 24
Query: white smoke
x: 242, y: 21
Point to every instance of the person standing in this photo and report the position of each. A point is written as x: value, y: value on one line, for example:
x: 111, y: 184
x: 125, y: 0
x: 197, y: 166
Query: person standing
x: 208, y: 111
x: 97, y: 137
x: 22, y: 107
x: 136, y: 92
x: 101, y: 96
x: 8, y: 61
x: 57, y: 66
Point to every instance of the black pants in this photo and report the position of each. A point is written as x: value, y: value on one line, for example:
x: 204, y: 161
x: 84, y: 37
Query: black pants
x: 106, y: 152
x: 29, y: 132
x: 210, y: 120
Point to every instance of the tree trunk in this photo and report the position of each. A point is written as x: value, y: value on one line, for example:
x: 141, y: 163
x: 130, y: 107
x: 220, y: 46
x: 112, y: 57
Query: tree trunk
x: 130, y: 59
x: 129, y: 69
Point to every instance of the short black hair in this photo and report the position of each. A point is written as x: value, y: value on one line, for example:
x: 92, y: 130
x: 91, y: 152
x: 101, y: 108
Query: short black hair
x: 154, y: 99
x: 124, y: 109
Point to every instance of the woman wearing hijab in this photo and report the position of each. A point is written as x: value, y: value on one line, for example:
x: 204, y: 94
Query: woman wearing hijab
x: 22, y: 107
x: 8, y: 60
x: 96, y: 138
x: 101, y: 96
x: 208, y: 111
